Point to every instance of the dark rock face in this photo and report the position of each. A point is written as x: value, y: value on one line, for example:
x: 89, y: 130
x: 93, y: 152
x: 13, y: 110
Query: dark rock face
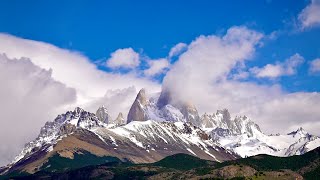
x: 67, y: 129
x: 164, y: 99
x: 88, y: 120
x: 103, y: 115
x: 137, y: 110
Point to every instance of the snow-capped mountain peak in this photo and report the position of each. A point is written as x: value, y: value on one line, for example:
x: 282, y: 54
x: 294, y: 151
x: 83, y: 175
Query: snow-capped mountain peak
x: 300, y: 132
x: 153, y: 131
x: 62, y: 125
x: 103, y: 115
x: 222, y: 121
x: 251, y: 141
x: 139, y: 141
x: 145, y: 108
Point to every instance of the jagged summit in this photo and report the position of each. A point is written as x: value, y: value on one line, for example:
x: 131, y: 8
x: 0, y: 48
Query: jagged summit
x: 164, y: 99
x: 141, y: 142
x: 299, y: 132
x: 103, y: 115
x: 63, y: 124
x: 160, y: 109
x: 223, y: 121
x: 153, y: 132
x: 142, y: 97
x: 119, y: 120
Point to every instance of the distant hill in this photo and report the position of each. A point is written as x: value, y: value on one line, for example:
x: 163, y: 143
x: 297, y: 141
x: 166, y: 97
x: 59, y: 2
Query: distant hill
x: 181, y: 166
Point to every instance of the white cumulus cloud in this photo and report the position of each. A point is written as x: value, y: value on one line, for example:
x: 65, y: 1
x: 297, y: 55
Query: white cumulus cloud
x: 124, y: 58
x: 209, y: 59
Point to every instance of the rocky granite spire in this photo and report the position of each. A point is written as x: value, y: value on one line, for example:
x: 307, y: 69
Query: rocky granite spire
x: 119, y: 120
x: 164, y: 99
x: 190, y: 113
x: 137, y: 110
x: 103, y: 115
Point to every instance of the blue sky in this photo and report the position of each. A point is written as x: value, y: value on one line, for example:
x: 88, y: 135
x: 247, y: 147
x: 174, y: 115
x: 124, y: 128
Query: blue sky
x: 256, y: 58
x: 153, y: 27
x: 97, y: 29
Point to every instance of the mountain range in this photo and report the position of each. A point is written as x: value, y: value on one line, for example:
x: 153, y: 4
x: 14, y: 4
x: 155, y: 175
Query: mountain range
x: 156, y: 127
x: 183, y: 166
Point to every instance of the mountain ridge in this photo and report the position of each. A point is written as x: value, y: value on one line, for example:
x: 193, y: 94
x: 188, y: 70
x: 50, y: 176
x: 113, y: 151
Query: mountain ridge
x: 156, y: 129
x: 184, y: 166
x: 138, y: 142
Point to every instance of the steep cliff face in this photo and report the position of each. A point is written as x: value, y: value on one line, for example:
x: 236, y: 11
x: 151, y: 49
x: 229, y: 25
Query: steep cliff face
x: 103, y: 115
x: 160, y: 109
x: 137, y: 111
x: 164, y: 99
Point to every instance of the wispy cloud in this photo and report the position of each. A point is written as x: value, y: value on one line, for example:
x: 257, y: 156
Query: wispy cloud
x: 310, y: 16
x: 286, y: 68
x: 314, y: 66
x: 177, y: 49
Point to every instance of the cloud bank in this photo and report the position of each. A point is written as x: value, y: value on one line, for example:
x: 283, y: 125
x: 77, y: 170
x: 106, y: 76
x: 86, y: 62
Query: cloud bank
x: 29, y: 97
x: 38, y: 78
x: 208, y: 60
x: 201, y: 75
x: 72, y: 68
x: 156, y: 67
